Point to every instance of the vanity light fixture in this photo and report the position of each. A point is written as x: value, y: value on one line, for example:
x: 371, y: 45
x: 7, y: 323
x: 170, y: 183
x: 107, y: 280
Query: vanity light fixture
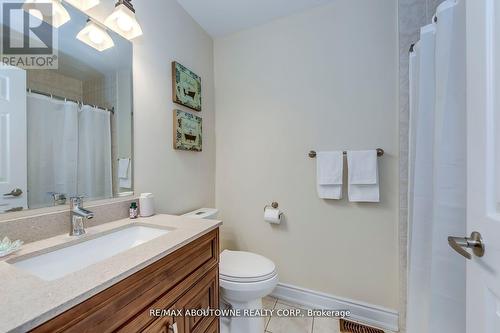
x: 83, y: 4
x: 123, y: 21
x: 59, y: 14
x: 96, y: 36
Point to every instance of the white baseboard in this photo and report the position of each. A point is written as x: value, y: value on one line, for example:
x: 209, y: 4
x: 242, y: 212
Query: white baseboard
x: 364, y: 313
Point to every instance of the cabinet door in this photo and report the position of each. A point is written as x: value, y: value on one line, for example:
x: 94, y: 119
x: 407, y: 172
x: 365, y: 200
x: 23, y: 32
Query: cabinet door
x: 214, y: 327
x: 204, y: 295
x: 162, y: 325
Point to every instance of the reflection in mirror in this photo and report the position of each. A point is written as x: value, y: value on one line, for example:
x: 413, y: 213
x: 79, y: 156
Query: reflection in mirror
x: 67, y: 131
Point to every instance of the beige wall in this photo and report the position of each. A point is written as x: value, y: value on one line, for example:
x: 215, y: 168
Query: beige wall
x: 326, y: 80
x: 52, y: 82
x: 180, y: 180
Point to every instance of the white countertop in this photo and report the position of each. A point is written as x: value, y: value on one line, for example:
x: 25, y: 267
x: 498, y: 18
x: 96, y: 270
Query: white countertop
x: 27, y: 301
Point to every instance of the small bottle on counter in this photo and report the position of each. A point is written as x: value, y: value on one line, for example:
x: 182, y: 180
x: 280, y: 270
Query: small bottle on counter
x: 133, y: 211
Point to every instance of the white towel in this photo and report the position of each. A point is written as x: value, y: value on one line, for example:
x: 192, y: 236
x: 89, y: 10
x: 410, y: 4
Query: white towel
x: 124, y: 173
x: 123, y: 164
x: 363, y: 176
x: 329, y: 172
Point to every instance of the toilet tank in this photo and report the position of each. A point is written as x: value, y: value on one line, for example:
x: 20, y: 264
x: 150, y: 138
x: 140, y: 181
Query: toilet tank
x: 203, y: 213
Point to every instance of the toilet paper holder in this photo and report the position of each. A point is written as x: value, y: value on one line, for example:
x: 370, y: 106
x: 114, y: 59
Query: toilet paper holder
x: 273, y: 205
x: 272, y: 214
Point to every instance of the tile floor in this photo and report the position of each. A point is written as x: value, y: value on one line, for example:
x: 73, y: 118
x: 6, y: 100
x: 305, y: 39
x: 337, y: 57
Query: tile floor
x: 297, y: 324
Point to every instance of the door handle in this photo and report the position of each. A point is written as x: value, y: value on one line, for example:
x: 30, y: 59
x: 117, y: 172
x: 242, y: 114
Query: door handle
x: 474, y: 242
x: 14, y: 193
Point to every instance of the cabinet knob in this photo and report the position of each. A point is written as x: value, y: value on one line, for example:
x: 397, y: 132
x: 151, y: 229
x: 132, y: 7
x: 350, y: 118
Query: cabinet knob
x: 173, y: 328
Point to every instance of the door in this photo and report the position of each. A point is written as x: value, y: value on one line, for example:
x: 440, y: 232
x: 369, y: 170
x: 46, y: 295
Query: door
x: 13, y: 163
x: 483, y: 164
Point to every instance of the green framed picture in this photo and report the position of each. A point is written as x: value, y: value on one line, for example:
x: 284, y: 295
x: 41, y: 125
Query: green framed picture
x: 188, y: 131
x: 186, y: 87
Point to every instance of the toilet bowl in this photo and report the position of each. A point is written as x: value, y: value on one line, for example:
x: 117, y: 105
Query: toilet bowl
x: 244, y: 278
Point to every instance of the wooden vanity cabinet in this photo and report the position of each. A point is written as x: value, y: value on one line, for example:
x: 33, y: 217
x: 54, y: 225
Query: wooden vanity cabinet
x: 186, y: 279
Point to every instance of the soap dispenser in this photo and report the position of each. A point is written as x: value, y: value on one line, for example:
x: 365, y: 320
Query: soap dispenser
x: 133, y: 211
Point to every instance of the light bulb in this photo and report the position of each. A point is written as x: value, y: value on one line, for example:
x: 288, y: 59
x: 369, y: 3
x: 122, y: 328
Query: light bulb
x: 59, y: 14
x: 124, y: 23
x: 95, y: 36
x: 36, y: 13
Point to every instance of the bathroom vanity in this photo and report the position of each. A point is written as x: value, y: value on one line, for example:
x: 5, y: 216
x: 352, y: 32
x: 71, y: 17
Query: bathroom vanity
x: 176, y: 270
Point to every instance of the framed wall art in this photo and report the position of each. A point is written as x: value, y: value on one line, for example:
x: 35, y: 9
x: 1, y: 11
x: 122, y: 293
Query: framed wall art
x: 186, y: 87
x: 188, y: 131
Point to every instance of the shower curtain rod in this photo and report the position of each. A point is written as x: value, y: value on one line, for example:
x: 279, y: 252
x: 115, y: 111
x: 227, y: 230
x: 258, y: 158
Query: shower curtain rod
x: 112, y: 110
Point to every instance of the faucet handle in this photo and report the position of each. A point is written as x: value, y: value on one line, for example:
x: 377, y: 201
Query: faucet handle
x: 58, y: 198
x: 76, y: 201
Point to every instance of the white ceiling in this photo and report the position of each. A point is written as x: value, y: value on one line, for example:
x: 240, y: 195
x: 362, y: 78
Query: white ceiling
x: 223, y: 17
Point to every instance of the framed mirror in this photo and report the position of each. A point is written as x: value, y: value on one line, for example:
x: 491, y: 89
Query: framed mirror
x: 67, y: 131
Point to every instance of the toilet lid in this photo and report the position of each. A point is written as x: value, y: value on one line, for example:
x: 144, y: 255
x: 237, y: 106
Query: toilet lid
x: 246, y: 266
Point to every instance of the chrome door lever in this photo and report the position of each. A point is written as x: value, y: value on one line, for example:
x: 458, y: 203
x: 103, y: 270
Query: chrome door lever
x: 474, y: 242
x: 14, y: 193
x: 12, y: 210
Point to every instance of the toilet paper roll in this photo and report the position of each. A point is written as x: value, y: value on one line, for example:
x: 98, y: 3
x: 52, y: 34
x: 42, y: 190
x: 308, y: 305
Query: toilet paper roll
x: 272, y: 215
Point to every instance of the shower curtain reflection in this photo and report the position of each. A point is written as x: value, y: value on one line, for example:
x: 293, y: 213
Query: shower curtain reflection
x: 69, y: 151
x: 52, y: 149
x: 94, y: 153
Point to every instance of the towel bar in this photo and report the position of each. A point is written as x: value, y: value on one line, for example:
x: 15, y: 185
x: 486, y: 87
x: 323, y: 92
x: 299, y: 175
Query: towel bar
x: 380, y: 152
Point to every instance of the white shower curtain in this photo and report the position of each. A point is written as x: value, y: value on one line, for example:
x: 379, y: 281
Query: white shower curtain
x: 52, y: 148
x: 94, y: 154
x: 437, y: 185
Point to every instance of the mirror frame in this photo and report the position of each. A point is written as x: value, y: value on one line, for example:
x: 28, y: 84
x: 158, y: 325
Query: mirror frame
x: 31, y: 213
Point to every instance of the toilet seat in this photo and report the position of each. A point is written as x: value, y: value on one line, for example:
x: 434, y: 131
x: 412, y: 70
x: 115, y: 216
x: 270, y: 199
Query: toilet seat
x: 245, y: 267
x: 252, y: 287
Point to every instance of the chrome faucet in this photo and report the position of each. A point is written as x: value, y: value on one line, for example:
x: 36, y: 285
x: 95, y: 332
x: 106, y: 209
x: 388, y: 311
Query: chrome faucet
x: 78, y: 214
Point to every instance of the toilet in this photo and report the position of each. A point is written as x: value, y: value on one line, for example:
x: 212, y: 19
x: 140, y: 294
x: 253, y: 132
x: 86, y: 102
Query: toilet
x: 244, y: 278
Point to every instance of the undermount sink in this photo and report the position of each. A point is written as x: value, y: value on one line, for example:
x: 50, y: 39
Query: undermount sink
x: 58, y: 263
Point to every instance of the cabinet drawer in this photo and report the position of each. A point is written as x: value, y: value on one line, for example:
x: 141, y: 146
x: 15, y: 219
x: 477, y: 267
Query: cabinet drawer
x: 113, y: 307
